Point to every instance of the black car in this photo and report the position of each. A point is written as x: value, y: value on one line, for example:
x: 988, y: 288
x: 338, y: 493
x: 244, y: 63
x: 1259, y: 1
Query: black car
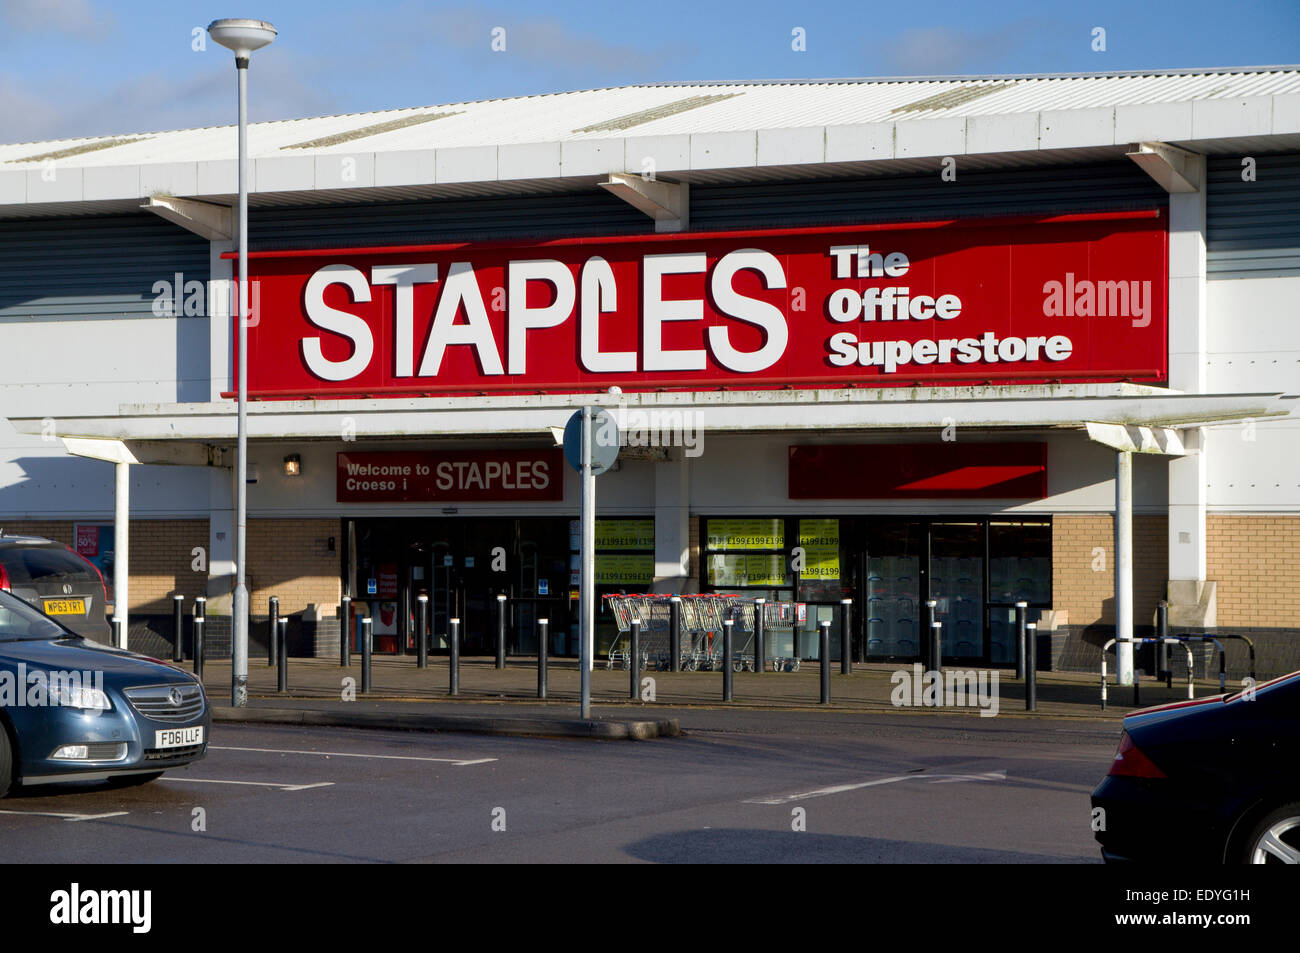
x: 62, y: 584
x: 1212, y: 780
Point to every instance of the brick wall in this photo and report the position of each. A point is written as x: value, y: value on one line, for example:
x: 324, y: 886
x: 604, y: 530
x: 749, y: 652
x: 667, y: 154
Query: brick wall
x: 1256, y: 562
x: 291, y: 559
x: 1089, y: 594
x: 161, y: 557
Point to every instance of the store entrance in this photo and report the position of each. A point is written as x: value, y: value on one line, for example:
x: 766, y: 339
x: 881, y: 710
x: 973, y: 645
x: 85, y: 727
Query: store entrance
x: 462, y: 565
x: 975, y: 570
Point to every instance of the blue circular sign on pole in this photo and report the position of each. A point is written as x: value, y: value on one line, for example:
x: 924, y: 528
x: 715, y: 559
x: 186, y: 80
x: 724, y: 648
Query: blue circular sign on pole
x: 604, y: 444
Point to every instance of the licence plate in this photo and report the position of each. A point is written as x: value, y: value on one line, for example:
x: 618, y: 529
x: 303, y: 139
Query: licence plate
x: 65, y: 606
x: 178, y: 737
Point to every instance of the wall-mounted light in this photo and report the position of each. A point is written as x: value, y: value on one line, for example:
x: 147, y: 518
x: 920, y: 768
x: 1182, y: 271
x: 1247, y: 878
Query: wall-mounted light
x: 293, y: 465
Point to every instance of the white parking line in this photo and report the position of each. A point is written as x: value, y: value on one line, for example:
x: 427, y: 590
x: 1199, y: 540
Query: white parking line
x: 841, y: 788
x: 69, y: 817
x: 458, y: 762
x: 256, y: 784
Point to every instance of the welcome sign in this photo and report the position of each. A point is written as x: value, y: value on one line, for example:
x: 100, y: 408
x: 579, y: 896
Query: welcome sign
x: 1075, y: 297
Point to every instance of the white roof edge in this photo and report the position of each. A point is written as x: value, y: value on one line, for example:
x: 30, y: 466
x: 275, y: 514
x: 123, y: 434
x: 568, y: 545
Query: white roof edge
x: 1184, y: 122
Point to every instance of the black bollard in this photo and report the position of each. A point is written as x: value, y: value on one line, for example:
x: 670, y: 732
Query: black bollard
x: 931, y: 662
x: 825, y: 659
x: 367, y: 646
x: 1031, y: 667
x: 759, y: 634
x: 178, y: 627
x: 345, y: 632
x: 453, y: 640
x: 422, y: 631
x: 936, y: 646
x: 1162, y: 647
x: 200, y: 606
x: 543, y: 647
x: 675, y: 633
x: 634, y: 660
x: 272, y: 630
x: 1020, y: 639
x: 282, y: 654
x: 846, y: 650
x: 501, y: 630
x: 727, y: 627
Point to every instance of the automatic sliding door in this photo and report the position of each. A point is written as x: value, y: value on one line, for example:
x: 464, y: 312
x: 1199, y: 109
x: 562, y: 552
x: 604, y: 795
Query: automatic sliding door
x: 957, y: 586
x: 893, y: 588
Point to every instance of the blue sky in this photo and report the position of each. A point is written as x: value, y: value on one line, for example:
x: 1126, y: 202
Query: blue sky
x: 91, y: 67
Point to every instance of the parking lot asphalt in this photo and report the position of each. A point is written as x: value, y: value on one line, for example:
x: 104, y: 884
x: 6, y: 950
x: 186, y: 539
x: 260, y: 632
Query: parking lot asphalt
x: 888, y: 792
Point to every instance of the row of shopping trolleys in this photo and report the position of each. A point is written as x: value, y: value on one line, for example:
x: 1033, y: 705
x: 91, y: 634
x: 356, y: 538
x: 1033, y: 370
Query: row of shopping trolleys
x: 700, y: 644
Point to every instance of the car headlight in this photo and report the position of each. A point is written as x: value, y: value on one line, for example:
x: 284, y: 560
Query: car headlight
x: 92, y: 699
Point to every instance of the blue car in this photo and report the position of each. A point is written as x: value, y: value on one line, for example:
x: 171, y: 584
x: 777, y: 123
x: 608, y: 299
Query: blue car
x: 72, y: 709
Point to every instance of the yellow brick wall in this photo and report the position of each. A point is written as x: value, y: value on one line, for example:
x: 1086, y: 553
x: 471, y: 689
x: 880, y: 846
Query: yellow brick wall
x: 291, y: 559
x: 1256, y: 562
x: 1089, y: 594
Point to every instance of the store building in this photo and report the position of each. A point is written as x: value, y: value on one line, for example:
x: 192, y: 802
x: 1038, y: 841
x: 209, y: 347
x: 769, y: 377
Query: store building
x: 887, y: 340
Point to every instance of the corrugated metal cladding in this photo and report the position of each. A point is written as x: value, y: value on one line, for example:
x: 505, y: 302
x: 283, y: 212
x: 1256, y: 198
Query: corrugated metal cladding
x: 1104, y: 186
x: 94, y: 265
x: 1094, y: 187
x: 594, y: 212
x: 1252, y: 228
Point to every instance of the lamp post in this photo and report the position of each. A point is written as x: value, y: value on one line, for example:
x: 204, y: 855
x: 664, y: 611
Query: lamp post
x: 243, y: 37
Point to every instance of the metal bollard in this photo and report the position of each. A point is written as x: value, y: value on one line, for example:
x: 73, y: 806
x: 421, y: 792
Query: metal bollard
x: 501, y: 630
x: 931, y: 661
x: 936, y: 646
x: 846, y: 651
x: 1020, y: 639
x: 282, y: 654
x: 345, y: 632
x: 200, y: 606
x: 727, y: 627
x: 453, y: 640
x: 1163, y: 668
x: 1031, y: 666
x: 178, y: 628
x: 543, y: 647
x: 422, y: 631
x: 759, y: 635
x: 675, y: 633
x: 272, y: 622
x: 117, y: 632
x: 367, y: 646
x: 825, y: 653
x: 634, y: 660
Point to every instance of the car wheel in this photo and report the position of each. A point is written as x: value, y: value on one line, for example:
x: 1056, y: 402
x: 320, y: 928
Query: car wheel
x: 1276, y: 839
x: 6, y: 761
x: 133, y: 780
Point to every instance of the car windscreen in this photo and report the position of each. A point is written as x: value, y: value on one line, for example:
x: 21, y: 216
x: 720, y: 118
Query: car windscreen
x: 20, y: 621
x: 44, y: 564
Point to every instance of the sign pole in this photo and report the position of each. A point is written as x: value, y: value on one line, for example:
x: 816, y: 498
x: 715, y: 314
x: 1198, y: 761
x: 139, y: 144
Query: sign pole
x: 587, y: 579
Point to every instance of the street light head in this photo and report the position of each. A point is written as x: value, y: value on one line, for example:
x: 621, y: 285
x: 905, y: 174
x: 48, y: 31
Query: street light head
x: 244, y: 37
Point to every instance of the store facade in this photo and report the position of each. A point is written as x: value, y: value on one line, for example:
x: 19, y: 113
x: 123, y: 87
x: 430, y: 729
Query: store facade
x: 839, y: 375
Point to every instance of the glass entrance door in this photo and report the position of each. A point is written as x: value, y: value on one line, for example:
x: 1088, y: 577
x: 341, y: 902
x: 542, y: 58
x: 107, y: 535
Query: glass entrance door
x: 893, y: 584
x: 957, y: 586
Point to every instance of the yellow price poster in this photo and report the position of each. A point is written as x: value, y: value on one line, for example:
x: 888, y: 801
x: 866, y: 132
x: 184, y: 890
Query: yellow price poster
x: 625, y: 534
x: 820, y: 539
x: 624, y: 570
x: 746, y: 534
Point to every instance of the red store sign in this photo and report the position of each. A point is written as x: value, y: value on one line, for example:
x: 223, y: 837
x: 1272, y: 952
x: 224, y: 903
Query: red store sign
x: 450, y: 476
x: 1075, y: 297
